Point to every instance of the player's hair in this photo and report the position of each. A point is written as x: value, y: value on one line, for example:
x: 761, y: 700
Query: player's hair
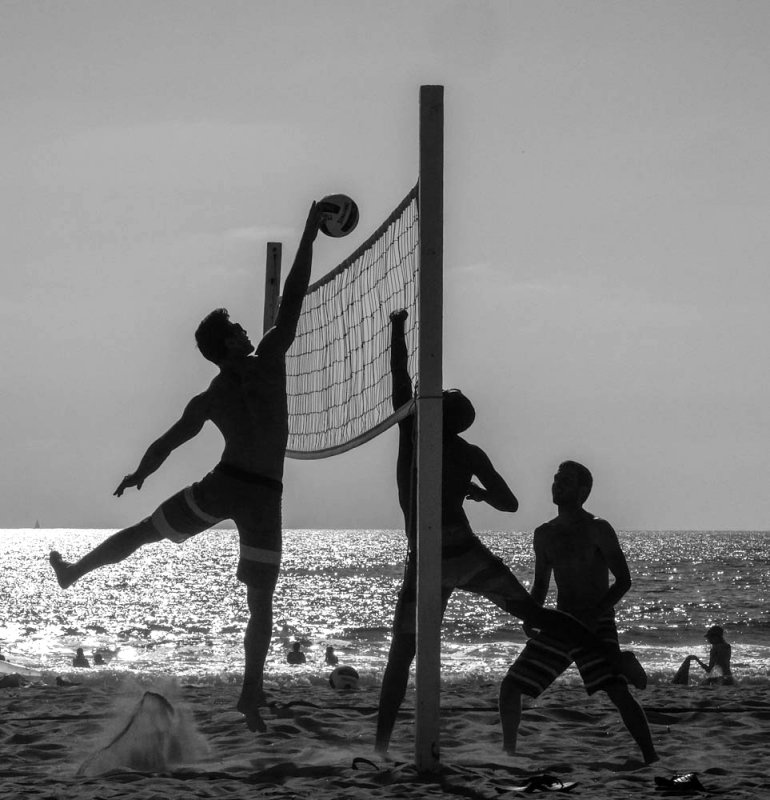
x: 459, y: 412
x: 585, y: 479
x: 211, y: 334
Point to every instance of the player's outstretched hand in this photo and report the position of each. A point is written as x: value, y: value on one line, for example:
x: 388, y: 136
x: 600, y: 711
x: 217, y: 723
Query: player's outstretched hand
x: 399, y: 316
x: 128, y: 481
x: 314, y: 219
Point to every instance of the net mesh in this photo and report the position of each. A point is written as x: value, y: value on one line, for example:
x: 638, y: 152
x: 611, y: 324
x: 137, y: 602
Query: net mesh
x: 338, y: 368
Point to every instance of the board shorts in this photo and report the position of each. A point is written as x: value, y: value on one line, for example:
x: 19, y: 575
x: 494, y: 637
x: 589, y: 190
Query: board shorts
x: 546, y: 657
x: 466, y: 563
x: 251, y: 501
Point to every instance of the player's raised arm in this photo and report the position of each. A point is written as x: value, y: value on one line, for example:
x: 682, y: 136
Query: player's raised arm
x: 399, y: 371
x: 495, y: 490
x: 187, y: 426
x: 279, y: 338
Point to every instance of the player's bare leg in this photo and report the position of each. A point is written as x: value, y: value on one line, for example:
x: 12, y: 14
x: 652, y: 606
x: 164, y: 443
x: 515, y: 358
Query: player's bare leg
x: 259, y: 631
x: 635, y: 720
x: 394, y: 683
x: 112, y: 550
x: 510, y: 714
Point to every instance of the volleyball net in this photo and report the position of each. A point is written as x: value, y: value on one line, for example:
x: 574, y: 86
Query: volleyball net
x: 339, y: 388
x: 338, y: 368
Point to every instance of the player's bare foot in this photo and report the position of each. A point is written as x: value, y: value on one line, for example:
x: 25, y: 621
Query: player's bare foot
x: 62, y: 569
x: 633, y: 670
x: 248, y: 704
x: 250, y: 711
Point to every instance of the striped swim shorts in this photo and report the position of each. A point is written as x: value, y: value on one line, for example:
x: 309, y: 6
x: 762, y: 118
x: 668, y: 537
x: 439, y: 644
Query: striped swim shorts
x: 545, y: 657
x: 466, y: 563
x: 251, y: 501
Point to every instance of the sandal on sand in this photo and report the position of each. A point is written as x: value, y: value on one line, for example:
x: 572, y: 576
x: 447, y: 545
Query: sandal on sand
x: 544, y: 783
x: 680, y: 784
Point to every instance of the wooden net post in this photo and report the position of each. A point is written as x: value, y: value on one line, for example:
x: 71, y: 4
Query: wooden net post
x: 272, y: 284
x: 429, y: 428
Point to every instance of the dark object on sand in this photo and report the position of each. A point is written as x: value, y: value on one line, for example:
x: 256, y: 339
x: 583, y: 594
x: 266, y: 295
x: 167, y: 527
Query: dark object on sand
x: 544, y: 783
x: 687, y: 783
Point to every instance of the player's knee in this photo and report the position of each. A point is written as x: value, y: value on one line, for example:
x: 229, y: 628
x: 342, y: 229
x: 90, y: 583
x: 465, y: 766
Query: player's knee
x: 510, y: 691
x: 402, y: 649
x: 144, y: 532
x: 527, y: 610
x: 259, y: 599
x: 618, y: 693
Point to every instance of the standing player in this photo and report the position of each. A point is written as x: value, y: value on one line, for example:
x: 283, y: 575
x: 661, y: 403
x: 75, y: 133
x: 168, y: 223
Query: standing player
x: 466, y: 563
x: 581, y: 550
x: 247, y: 402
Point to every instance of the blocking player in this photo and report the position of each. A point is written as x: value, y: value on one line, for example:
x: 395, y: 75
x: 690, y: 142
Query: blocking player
x: 466, y: 563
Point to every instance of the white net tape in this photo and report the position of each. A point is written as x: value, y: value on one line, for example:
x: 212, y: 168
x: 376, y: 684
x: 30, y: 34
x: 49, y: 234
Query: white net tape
x: 338, y: 368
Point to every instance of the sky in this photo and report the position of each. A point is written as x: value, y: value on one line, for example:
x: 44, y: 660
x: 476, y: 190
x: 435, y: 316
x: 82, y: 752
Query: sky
x: 607, y: 197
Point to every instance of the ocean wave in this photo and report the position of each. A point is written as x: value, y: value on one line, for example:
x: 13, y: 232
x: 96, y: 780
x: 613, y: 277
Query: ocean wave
x: 369, y: 678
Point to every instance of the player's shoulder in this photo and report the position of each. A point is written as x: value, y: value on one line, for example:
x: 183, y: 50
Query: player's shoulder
x: 597, y: 523
x: 545, y: 538
x: 205, y: 397
x: 215, y: 387
x: 546, y: 529
x: 599, y: 529
x: 474, y: 453
x: 469, y: 447
x: 272, y: 347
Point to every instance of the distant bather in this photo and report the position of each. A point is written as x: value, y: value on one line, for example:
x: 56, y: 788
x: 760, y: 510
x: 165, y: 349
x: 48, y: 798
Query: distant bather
x: 718, y: 669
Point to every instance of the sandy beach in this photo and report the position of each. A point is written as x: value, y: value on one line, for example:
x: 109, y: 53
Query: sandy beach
x: 52, y: 738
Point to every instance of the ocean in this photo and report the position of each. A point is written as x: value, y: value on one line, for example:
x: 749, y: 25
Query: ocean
x: 179, y: 610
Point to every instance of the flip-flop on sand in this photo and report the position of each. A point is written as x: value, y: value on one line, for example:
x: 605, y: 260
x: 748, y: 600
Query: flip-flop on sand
x: 680, y: 784
x: 545, y: 783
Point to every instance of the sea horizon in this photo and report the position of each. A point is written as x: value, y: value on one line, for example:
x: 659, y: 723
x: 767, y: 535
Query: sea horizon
x: 223, y: 526
x: 179, y: 610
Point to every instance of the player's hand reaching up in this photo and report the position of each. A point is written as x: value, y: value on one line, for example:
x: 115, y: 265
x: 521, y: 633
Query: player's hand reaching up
x: 314, y: 219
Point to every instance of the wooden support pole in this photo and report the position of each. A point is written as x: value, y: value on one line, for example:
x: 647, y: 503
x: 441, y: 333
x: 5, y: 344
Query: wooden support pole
x: 272, y: 284
x: 429, y: 429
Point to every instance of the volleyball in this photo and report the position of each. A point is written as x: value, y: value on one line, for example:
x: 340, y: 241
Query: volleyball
x: 339, y: 215
x: 344, y: 678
